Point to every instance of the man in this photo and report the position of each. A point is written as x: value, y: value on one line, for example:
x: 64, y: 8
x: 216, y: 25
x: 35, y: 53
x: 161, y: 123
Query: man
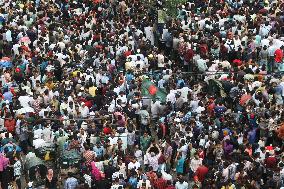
x: 133, y: 165
x: 145, y: 141
x: 201, y: 172
x: 99, y: 150
x: 38, y: 142
x: 145, y: 119
x: 195, y: 163
x: 278, y: 58
x: 181, y: 183
x: 88, y: 155
x: 17, y: 170
x: 160, y: 183
x: 71, y: 182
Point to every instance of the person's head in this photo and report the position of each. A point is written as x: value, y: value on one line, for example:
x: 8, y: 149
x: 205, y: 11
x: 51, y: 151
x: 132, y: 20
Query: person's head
x: 70, y: 174
x: 6, y: 135
x: 50, y: 172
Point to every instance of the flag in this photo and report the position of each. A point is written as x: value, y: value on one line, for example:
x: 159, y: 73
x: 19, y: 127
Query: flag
x: 149, y: 89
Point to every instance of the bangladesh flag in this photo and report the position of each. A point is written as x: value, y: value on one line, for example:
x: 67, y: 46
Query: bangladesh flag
x: 149, y: 89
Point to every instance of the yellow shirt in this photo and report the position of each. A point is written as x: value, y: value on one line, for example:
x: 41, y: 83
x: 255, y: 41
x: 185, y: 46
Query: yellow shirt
x: 74, y: 74
x: 50, y: 86
x: 92, y: 91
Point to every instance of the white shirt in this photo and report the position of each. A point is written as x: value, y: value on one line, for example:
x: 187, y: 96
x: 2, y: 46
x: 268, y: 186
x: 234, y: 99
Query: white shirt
x: 161, y: 60
x: 195, y: 163
x: 84, y: 111
x: 183, y: 185
x: 113, y: 140
x: 148, y: 184
x: 183, y: 150
x: 38, y: 143
x: 24, y: 101
x: 47, y: 134
x: 132, y: 165
x: 38, y: 132
x: 184, y: 92
x: 8, y: 35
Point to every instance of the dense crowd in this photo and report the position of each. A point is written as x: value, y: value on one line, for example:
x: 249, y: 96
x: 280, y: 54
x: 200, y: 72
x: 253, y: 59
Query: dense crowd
x: 116, y: 94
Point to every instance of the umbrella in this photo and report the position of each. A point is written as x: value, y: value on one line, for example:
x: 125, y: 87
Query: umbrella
x: 6, y: 64
x: 245, y: 99
x: 25, y: 110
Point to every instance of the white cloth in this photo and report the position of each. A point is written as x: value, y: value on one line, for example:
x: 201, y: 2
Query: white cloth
x: 38, y: 143
x: 25, y: 101
x: 132, y: 165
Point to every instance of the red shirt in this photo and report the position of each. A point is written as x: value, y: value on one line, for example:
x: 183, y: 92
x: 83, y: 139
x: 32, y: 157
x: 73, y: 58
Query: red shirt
x: 270, y: 162
x: 188, y: 55
x: 160, y: 183
x: 127, y: 53
x: 201, y: 172
x: 107, y: 130
x: 278, y: 55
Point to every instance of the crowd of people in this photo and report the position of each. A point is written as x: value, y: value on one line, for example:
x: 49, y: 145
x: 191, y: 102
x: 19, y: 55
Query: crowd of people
x: 73, y: 79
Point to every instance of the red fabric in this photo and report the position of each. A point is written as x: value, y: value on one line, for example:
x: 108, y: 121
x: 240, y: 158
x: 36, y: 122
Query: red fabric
x: 270, y: 162
x: 201, y: 172
x: 152, y: 177
x: 188, y: 55
x: 269, y: 148
x: 170, y: 187
x: 107, y: 130
x: 211, y: 108
x: 160, y: 183
x: 203, y: 49
x: 10, y: 125
x: 201, y: 154
x: 278, y: 56
x: 237, y: 62
x: 127, y: 53
x: 89, y: 103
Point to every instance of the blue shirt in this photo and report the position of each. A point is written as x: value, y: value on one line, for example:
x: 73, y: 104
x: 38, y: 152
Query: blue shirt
x: 71, y: 183
x: 133, y: 182
x: 8, y: 96
x: 99, y: 151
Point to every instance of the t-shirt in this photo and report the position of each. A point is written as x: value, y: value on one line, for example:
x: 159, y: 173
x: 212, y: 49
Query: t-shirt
x: 24, y: 101
x: 132, y: 165
x: 183, y: 185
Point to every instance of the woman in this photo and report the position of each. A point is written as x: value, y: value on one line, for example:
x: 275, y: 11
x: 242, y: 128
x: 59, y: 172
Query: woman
x: 96, y: 173
x: 51, y: 181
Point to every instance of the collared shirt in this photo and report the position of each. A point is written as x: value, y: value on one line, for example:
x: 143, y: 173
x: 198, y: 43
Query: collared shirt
x: 71, y: 183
